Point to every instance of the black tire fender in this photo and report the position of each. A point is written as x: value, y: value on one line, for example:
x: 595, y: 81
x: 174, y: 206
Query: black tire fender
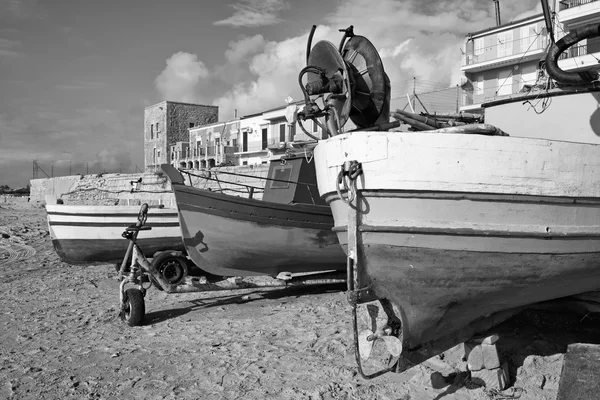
x: 172, y: 265
x: 556, y: 49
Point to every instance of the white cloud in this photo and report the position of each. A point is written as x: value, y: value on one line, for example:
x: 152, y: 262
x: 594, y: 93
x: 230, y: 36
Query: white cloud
x: 414, y: 37
x: 179, y: 80
x: 246, y: 46
x: 254, y: 13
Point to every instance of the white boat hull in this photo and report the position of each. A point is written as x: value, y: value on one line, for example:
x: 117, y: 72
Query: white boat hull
x: 92, y: 234
x: 456, y: 228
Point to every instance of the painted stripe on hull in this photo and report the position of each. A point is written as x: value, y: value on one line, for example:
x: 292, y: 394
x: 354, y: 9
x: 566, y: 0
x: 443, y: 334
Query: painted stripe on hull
x: 89, y: 252
x: 473, y: 222
x: 91, y: 224
x: 61, y: 232
x: 442, y: 291
x: 480, y: 243
x: 110, y: 214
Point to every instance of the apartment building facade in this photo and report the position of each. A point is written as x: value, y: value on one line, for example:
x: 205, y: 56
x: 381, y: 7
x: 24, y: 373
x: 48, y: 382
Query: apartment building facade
x: 502, y: 60
x: 572, y: 14
x: 241, y: 141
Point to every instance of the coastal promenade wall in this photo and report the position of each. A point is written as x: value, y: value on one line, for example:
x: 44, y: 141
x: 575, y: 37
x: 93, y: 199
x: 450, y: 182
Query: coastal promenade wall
x: 154, y: 188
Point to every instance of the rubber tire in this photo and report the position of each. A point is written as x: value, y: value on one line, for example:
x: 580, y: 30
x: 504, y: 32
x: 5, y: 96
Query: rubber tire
x: 172, y: 263
x: 134, y: 311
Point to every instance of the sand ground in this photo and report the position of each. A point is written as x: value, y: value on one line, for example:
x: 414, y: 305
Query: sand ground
x: 61, y: 338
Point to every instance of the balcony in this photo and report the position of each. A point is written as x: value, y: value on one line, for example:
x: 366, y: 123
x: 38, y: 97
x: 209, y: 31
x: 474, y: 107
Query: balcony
x: 565, y: 4
x: 583, y: 56
x: 511, y: 52
x: 574, y: 13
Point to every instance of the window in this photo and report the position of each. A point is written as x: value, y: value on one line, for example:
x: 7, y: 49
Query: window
x: 478, y: 44
x: 282, y: 132
x: 265, y: 138
x: 218, y: 145
x: 234, y: 142
x: 192, y: 124
x: 504, y: 83
x: 505, y: 44
x: 479, y: 85
x: 529, y: 74
x: 157, y: 128
x: 158, y: 155
x: 151, y: 131
x: 282, y: 173
x: 244, y: 162
x: 154, y: 157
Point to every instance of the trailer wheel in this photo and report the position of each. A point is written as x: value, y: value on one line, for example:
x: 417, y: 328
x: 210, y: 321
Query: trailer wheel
x: 134, y: 308
x: 172, y: 265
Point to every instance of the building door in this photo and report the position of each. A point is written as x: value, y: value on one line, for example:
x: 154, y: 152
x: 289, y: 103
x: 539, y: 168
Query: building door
x: 265, y: 140
x: 245, y: 141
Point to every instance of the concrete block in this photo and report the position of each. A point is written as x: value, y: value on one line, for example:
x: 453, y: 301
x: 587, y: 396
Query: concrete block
x: 491, y: 339
x: 491, y: 359
x: 474, y: 354
x: 497, y: 378
x: 579, y: 377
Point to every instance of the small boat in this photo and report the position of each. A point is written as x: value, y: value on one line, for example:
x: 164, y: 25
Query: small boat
x: 85, y: 234
x: 450, y: 231
x: 287, y: 231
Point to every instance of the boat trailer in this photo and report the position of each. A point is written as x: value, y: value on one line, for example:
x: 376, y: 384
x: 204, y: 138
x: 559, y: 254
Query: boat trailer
x: 168, y: 272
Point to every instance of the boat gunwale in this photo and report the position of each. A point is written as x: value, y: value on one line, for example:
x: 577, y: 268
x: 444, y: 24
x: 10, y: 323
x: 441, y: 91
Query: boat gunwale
x: 314, y: 209
x: 541, y: 94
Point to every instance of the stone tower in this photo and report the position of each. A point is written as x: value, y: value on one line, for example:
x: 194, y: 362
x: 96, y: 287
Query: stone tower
x: 167, y: 123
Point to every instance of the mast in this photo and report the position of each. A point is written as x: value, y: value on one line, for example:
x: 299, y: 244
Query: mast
x: 548, y: 19
x: 497, y: 5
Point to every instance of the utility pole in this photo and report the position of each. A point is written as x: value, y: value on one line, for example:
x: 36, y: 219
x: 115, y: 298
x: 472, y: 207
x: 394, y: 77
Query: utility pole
x: 414, y: 92
x: 457, y: 96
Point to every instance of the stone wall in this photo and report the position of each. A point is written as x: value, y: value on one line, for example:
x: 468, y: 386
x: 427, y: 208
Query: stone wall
x: 155, y: 188
x: 13, y: 199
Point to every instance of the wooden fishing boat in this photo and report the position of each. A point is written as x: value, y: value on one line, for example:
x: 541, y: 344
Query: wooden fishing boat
x: 452, y: 229
x: 231, y: 235
x: 84, y: 235
x: 449, y: 231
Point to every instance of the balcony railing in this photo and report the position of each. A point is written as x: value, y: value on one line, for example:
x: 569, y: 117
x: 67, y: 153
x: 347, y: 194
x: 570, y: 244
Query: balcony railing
x: 564, y: 4
x: 508, y: 48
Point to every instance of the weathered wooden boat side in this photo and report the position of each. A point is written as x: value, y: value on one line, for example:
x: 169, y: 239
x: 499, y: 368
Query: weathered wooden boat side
x: 456, y: 228
x: 92, y: 234
x: 229, y: 235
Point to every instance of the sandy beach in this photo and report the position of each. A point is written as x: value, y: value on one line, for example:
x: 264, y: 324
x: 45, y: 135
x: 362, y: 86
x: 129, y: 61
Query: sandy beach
x: 61, y: 337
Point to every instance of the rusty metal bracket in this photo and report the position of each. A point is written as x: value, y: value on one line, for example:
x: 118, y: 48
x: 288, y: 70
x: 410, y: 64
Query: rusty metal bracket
x: 353, y: 279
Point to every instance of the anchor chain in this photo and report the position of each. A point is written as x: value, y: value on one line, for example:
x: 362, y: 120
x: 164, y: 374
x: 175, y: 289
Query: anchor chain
x: 347, y: 176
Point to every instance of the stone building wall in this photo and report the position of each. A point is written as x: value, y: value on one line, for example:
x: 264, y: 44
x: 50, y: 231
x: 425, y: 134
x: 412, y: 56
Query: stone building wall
x: 173, y: 120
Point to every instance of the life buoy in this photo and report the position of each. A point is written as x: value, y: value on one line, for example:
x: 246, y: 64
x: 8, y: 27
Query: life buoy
x: 557, y: 48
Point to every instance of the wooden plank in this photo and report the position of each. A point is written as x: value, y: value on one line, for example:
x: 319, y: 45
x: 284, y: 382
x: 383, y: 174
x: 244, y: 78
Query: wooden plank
x: 580, y: 378
x: 423, y: 161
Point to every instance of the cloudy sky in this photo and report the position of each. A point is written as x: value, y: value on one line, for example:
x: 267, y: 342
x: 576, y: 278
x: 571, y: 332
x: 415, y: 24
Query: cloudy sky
x: 76, y: 75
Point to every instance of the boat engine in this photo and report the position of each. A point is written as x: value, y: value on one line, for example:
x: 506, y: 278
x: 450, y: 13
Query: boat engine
x: 351, y: 81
